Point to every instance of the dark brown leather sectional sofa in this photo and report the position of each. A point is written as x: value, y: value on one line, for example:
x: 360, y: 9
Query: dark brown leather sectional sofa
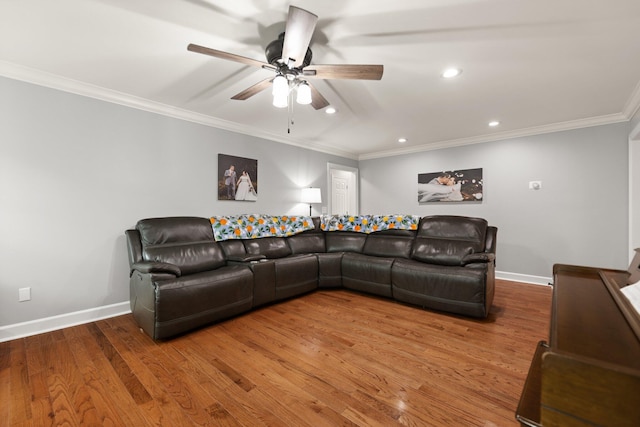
x: 181, y: 278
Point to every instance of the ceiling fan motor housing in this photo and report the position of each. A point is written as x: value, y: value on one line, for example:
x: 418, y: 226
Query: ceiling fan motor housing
x: 273, y: 52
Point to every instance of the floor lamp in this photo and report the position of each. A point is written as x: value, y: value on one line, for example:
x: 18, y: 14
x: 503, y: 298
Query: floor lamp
x: 311, y: 195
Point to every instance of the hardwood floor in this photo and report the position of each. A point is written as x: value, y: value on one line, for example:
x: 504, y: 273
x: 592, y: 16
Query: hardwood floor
x: 330, y: 358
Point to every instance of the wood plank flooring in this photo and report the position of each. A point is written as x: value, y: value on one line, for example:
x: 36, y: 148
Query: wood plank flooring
x: 330, y: 358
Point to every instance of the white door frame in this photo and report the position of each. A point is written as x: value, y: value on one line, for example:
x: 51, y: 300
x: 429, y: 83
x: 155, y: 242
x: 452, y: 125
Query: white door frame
x: 354, y: 189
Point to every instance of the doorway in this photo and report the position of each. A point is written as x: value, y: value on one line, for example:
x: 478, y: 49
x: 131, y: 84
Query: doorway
x: 342, y: 185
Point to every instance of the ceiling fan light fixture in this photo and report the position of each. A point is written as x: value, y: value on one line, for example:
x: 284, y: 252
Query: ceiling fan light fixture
x: 304, y: 94
x: 288, y: 57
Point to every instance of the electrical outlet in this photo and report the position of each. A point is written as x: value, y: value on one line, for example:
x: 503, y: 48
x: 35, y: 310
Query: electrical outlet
x: 535, y: 185
x: 24, y: 294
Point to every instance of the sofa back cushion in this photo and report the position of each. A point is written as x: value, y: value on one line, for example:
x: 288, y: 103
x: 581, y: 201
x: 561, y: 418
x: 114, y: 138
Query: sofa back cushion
x: 233, y: 248
x: 271, y: 247
x: 344, y: 241
x: 446, y: 239
x: 388, y: 245
x: 307, y: 243
x: 310, y: 241
x: 183, y: 241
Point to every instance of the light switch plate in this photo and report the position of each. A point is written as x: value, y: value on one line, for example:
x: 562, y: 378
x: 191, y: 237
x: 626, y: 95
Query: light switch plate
x: 24, y: 294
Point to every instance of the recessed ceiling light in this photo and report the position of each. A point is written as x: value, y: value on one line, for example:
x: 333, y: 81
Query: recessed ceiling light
x: 330, y: 110
x: 450, y: 73
x: 402, y: 140
x: 494, y: 123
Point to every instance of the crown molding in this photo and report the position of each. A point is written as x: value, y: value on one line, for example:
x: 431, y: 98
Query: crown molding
x: 53, y: 81
x: 519, y: 133
x: 632, y: 106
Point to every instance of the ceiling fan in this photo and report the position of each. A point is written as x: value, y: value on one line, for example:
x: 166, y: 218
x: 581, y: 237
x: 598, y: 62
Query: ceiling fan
x: 290, y: 58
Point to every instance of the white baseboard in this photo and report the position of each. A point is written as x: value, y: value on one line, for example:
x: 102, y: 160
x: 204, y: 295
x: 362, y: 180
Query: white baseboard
x: 524, y: 278
x: 47, y: 324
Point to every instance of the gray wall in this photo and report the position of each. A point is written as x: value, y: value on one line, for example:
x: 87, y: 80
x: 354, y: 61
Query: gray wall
x: 580, y: 216
x: 76, y: 172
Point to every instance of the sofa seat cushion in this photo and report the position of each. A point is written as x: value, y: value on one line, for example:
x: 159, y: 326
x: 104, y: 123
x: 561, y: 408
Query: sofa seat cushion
x: 455, y: 289
x: 189, y: 258
x: 441, y: 251
x: 194, y: 300
x: 296, y: 275
x: 330, y: 269
x: 367, y: 273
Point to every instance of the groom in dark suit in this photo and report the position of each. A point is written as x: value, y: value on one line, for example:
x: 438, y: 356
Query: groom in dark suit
x: 230, y: 182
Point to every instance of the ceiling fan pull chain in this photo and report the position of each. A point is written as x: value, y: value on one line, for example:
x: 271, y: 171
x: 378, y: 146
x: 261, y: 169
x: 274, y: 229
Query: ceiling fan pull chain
x: 290, y: 112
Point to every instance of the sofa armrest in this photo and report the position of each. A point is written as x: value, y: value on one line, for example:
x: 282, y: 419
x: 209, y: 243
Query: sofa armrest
x: 155, y: 267
x: 479, y: 257
x: 245, y: 258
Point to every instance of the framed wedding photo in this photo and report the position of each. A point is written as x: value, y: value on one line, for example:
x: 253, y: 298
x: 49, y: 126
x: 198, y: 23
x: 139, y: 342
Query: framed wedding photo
x: 237, y: 178
x: 463, y: 185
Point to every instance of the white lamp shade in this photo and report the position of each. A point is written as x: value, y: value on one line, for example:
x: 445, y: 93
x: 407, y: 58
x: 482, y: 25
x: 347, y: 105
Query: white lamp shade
x: 311, y: 195
x: 304, y: 94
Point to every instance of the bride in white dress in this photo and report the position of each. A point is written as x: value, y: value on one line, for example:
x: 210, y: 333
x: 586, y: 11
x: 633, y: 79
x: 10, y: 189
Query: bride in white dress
x: 244, y: 188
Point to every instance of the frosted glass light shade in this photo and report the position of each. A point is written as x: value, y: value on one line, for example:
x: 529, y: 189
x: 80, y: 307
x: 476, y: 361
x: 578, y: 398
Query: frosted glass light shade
x: 280, y: 91
x: 280, y: 101
x: 304, y: 94
x: 280, y: 86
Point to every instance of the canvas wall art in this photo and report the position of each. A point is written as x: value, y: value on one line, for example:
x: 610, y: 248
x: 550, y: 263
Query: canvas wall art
x: 237, y: 178
x: 463, y: 185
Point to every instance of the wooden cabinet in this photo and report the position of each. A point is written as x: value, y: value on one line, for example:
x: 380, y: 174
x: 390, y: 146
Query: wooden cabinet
x: 589, y: 371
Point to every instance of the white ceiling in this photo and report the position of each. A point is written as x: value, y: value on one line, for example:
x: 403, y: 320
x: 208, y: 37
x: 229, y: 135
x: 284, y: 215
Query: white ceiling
x: 534, y: 65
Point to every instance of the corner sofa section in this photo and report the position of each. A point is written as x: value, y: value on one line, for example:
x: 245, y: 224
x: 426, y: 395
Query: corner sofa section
x: 181, y: 278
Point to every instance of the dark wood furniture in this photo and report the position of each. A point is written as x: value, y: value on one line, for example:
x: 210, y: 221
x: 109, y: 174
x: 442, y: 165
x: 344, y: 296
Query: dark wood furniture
x: 589, y: 372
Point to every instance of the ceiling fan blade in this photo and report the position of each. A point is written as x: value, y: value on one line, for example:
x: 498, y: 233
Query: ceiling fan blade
x: 228, y: 56
x: 358, y: 72
x: 250, y: 91
x: 317, y: 100
x: 297, y: 36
